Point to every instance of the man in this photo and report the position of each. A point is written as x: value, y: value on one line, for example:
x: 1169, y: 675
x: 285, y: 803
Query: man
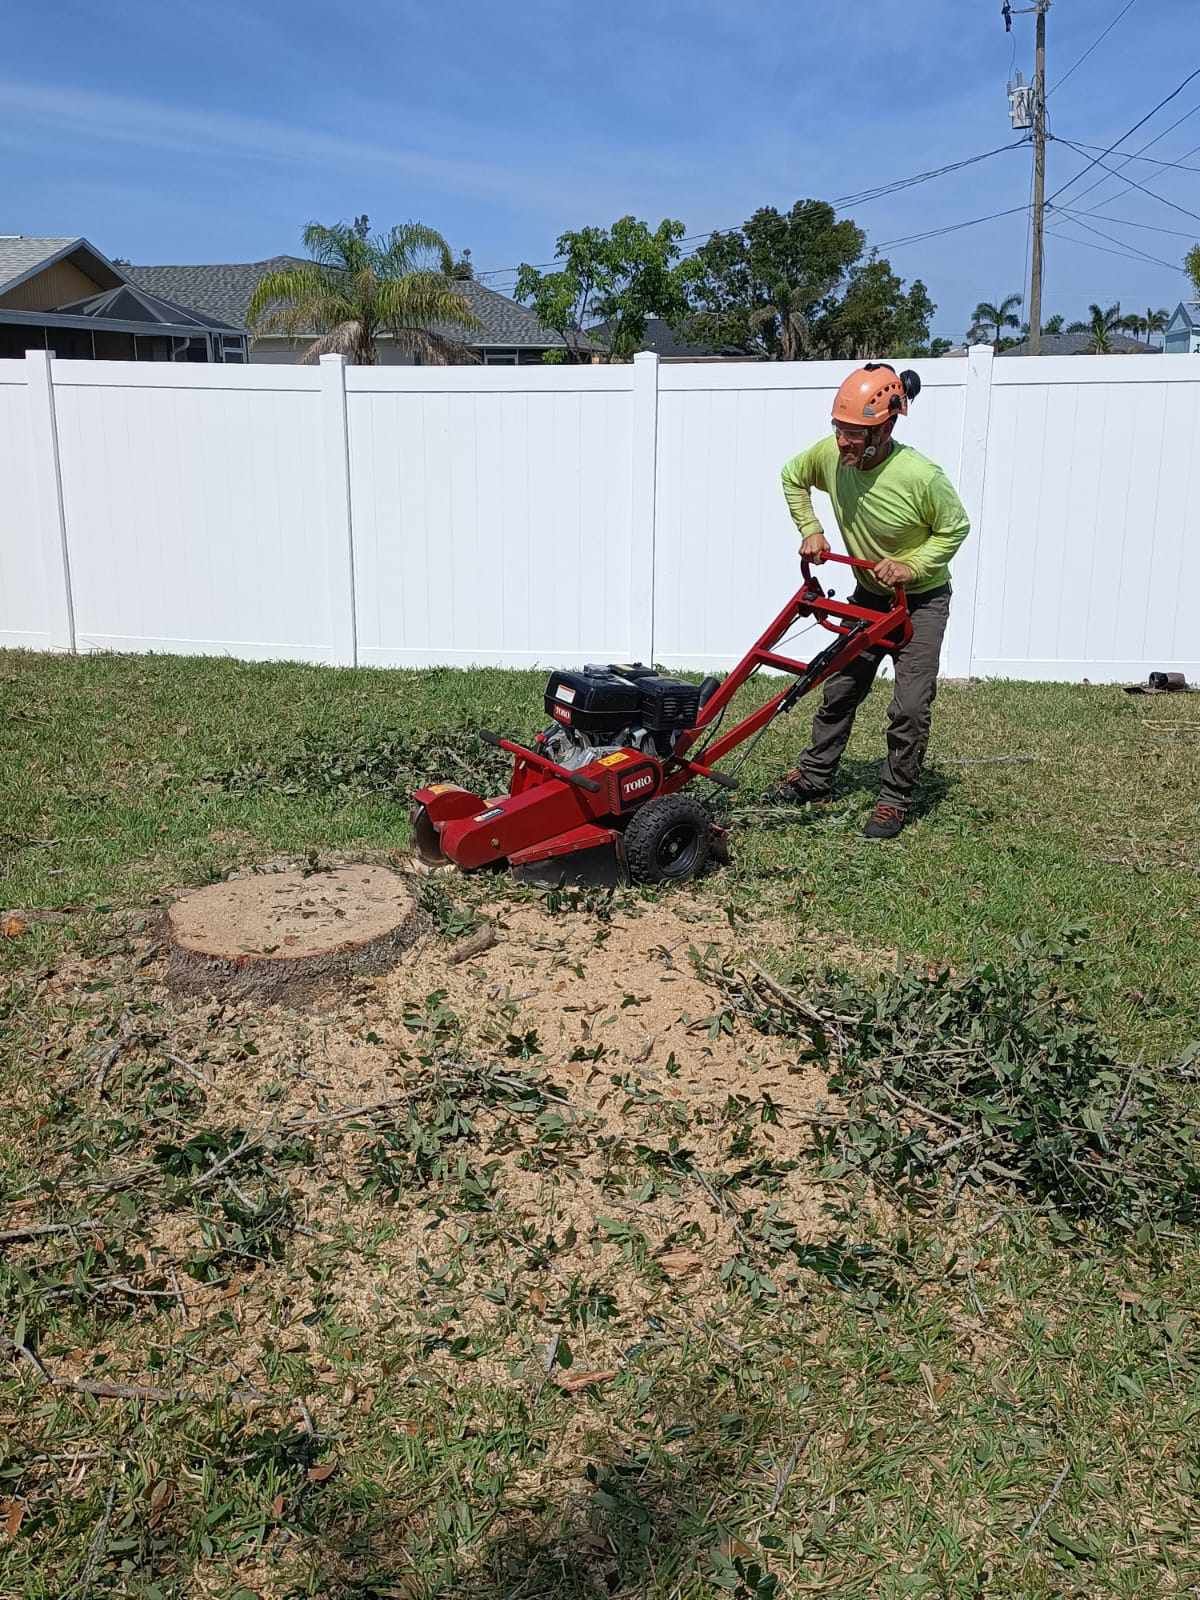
x: 898, y: 510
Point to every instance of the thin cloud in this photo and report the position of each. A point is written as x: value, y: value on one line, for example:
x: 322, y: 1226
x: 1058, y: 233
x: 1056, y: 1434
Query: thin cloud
x: 117, y: 119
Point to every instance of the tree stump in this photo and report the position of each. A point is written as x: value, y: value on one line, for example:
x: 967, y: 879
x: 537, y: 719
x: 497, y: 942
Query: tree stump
x: 287, y: 936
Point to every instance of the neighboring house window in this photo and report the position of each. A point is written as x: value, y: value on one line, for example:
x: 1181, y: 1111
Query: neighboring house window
x: 228, y: 347
x: 499, y: 358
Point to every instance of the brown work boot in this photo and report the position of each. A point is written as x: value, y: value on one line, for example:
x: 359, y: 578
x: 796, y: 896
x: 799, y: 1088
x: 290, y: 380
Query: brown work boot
x: 795, y: 789
x: 885, y: 822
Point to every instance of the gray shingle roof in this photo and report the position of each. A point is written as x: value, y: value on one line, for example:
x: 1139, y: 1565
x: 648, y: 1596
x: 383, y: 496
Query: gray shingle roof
x: 20, y: 254
x: 1077, y: 344
x: 130, y: 303
x: 225, y: 291
x: 662, y: 339
x: 1191, y: 313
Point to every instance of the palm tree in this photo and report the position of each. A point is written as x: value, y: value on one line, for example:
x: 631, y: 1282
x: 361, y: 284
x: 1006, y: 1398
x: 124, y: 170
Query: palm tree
x: 783, y: 325
x: 1052, y: 324
x: 1135, y: 325
x: 1102, y: 323
x: 987, y: 317
x: 1155, y: 321
x: 358, y: 287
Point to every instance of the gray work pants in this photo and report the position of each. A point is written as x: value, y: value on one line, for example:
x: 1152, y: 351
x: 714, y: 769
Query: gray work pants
x: 911, y: 708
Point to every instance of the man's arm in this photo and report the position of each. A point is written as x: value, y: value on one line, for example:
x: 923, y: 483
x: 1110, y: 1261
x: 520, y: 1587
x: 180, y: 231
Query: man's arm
x: 800, y: 474
x: 948, y: 523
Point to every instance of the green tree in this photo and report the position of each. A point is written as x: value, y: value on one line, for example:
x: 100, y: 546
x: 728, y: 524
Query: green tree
x: 765, y: 288
x: 877, y: 316
x: 989, y: 320
x: 621, y: 275
x: 1155, y: 321
x: 358, y: 287
x: 1102, y: 323
x: 1191, y: 265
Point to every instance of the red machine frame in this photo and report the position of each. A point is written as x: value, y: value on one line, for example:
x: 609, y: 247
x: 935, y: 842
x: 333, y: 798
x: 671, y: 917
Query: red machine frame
x: 553, y: 812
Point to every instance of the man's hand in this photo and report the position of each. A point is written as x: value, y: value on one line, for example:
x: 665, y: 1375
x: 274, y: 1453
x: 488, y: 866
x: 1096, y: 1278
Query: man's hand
x: 893, y: 573
x: 815, y: 547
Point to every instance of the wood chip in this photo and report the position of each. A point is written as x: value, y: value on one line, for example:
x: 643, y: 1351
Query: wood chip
x: 584, y: 1380
x: 12, y: 926
x: 678, y: 1263
x: 474, y: 946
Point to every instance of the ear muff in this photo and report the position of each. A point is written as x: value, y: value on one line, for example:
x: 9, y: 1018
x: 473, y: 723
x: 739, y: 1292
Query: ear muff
x: 912, y: 383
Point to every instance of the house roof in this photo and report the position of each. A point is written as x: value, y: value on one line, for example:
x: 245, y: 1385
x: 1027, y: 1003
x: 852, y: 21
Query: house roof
x: 662, y: 339
x: 1078, y: 344
x: 23, y: 255
x: 1189, y: 312
x: 225, y: 291
x: 128, y: 303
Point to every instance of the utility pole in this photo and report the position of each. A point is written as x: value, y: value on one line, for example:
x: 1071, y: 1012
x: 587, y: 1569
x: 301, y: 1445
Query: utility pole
x: 1039, y: 181
x: 1033, y: 111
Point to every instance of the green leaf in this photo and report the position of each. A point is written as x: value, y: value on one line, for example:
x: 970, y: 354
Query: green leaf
x: 1077, y: 1547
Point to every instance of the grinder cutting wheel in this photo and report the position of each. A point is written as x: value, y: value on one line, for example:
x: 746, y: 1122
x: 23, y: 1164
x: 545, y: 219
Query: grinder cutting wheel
x: 599, y: 796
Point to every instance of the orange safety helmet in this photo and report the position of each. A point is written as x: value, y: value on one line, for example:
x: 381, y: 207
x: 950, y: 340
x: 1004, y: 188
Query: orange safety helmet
x: 874, y: 393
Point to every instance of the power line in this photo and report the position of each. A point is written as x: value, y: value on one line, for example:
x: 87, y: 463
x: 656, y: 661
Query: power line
x: 859, y: 197
x: 1098, y: 183
x: 1060, y: 81
x: 1132, y: 249
x: 1125, y: 222
x: 1107, y: 249
x: 1096, y: 160
x: 1135, y: 185
x: 953, y: 227
x: 1127, y: 185
x: 1154, y: 161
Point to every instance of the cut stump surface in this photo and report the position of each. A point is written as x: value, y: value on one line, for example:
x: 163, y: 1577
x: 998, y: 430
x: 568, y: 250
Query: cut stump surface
x: 287, y: 935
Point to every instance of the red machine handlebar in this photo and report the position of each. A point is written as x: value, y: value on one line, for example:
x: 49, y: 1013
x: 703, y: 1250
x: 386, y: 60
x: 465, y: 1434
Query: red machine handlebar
x: 847, y: 561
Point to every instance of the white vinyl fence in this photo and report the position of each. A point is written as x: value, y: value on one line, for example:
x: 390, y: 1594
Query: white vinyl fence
x: 513, y: 516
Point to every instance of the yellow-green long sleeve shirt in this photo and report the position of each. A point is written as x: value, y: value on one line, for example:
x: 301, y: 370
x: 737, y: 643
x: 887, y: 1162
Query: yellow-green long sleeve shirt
x: 905, y: 508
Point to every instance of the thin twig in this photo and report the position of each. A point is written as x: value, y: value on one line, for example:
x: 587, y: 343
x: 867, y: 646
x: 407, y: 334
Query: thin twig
x: 782, y: 1478
x: 102, y: 1390
x: 371, y: 1109
x: 548, y: 1361
x: 952, y: 1144
x: 93, y: 1555
x: 728, y: 1212
x: 178, y: 1061
x: 105, y: 1068
x: 1124, y: 1100
x: 819, y: 1019
x: 989, y: 761
x: 35, y: 1361
x: 126, y: 1287
x: 915, y: 1105
x: 41, y: 1230
x: 1047, y: 1502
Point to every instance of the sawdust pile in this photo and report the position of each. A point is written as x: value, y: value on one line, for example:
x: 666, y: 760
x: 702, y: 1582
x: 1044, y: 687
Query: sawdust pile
x: 662, y: 1127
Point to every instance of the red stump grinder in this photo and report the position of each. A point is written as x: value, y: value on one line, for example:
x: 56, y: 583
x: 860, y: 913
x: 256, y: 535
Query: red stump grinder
x: 600, y: 798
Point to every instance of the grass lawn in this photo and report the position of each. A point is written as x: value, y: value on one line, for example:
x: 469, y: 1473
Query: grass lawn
x: 362, y: 1344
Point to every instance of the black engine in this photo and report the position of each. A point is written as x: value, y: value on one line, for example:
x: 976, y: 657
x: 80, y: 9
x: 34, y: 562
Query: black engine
x: 601, y: 708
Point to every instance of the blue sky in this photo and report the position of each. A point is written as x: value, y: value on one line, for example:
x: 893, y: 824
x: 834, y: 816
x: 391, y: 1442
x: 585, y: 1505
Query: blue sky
x: 212, y: 130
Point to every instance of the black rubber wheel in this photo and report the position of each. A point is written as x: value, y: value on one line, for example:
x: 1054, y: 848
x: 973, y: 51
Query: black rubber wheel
x: 667, y: 840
